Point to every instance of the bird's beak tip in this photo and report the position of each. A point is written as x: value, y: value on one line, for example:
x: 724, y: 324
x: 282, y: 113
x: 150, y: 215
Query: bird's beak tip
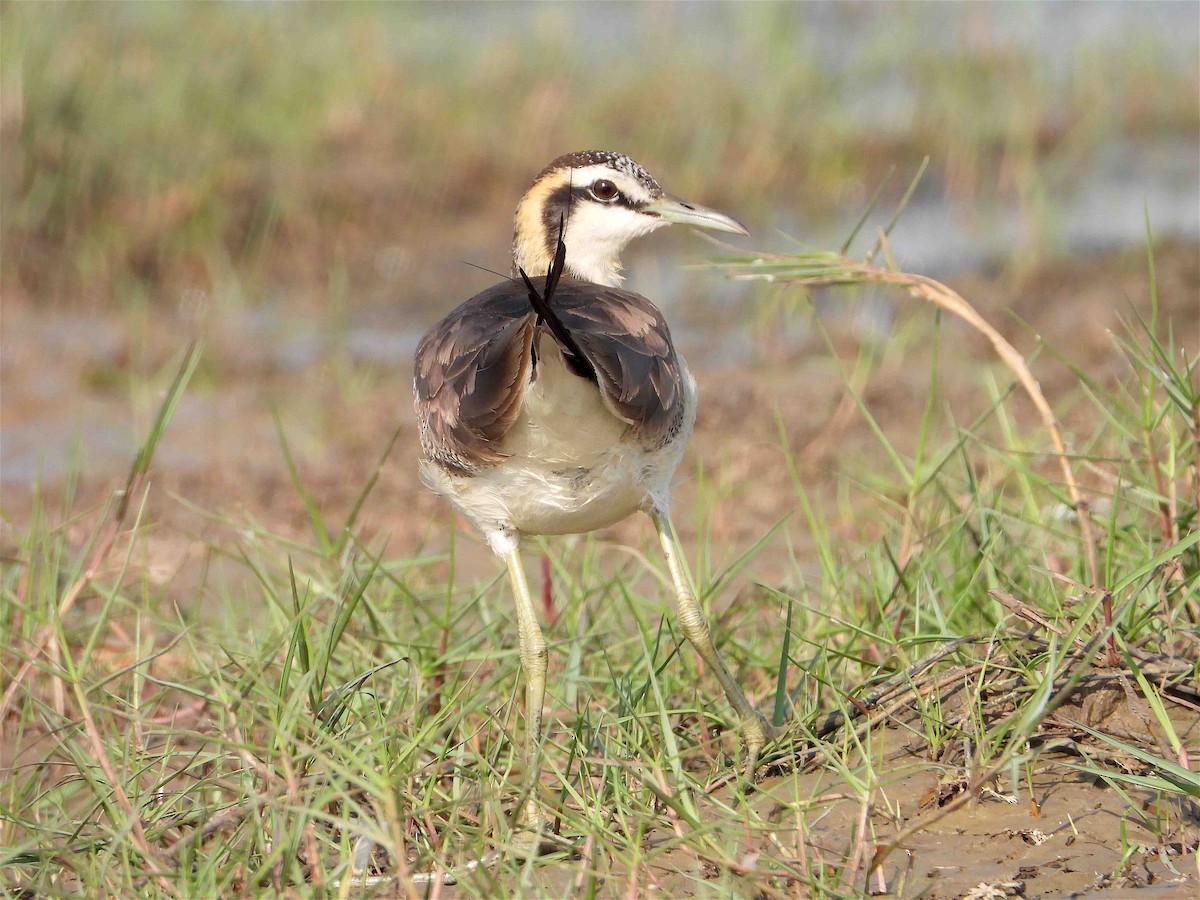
x: 682, y: 212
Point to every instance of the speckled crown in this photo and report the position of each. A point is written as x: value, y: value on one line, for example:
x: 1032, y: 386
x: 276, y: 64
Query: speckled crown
x: 616, y: 161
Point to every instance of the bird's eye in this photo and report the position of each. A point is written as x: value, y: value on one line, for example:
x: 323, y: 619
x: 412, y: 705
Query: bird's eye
x: 604, y: 190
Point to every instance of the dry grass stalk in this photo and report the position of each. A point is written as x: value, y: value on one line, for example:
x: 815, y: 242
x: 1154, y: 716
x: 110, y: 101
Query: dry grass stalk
x: 935, y: 292
x: 153, y: 864
x: 827, y: 269
x: 44, y: 640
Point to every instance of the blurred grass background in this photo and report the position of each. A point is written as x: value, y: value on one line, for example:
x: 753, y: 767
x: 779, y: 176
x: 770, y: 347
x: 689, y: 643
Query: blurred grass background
x: 301, y: 183
x: 152, y: 149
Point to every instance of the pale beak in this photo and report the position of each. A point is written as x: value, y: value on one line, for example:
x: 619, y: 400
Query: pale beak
x: 672, y: 209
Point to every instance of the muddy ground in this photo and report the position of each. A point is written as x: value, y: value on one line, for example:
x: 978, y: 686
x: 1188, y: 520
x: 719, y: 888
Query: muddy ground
x: 341, y: 396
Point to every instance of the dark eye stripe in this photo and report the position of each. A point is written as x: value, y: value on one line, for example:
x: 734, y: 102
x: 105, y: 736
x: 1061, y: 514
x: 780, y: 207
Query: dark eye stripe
x: 556, y: 207
x: 585, y: 193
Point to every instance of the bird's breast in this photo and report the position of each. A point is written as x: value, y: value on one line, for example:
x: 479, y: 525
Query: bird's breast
x: 563, y: 420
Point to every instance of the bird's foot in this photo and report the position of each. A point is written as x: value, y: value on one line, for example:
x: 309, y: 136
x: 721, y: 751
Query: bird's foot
x: 528, y: 844
x: 531, y: 836
x: 757, y: 733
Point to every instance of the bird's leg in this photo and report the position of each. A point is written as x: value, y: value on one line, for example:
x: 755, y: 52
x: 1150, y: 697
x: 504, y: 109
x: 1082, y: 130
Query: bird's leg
x: 756, y: 730
x: 533, y: 663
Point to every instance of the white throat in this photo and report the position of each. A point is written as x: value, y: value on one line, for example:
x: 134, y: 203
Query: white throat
x: 595, y: 237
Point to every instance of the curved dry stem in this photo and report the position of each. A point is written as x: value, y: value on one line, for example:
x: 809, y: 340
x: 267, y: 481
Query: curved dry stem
x: 937, y: 293
x: 833, y: 269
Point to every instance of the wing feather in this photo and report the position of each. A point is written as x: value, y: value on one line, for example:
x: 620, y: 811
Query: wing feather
x: 470, y: 375
x: 627, y: 341
x: 473, y: 367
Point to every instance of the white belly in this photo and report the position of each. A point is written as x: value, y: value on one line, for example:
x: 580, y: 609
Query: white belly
x: 572, y: 465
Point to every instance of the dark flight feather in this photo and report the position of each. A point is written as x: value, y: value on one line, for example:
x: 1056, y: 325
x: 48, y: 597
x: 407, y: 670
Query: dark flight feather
x: 472, y: 369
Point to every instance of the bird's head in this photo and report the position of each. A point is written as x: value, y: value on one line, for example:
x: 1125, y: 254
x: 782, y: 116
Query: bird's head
x: 605, y: 200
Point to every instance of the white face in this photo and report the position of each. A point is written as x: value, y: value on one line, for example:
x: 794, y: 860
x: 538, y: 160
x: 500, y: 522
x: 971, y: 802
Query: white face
x: 603, y: 220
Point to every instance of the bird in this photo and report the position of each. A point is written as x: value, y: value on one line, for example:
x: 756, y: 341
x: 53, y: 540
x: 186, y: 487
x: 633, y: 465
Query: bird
x: 557, y: 403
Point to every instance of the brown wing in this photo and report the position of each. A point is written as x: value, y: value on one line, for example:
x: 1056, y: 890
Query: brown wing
x: 470, y: 375
x: 627, y: 342
x: 472, y: 368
